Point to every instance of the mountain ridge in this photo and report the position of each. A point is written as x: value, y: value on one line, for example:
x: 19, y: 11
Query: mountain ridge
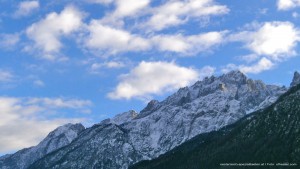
x: 205, y: 106
x: 269, y: 136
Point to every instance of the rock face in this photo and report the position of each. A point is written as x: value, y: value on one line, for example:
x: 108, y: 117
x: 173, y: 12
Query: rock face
x: 296, y: 79
x: 271, y: 135
x: 206, y: 106
x: 58, y: 138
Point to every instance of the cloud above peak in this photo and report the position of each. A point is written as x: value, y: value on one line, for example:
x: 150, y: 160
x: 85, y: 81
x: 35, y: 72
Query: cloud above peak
x: 154, y: 78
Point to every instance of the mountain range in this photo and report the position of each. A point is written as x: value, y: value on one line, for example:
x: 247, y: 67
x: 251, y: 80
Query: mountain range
x: 268, y: 138
x: 206, y: 107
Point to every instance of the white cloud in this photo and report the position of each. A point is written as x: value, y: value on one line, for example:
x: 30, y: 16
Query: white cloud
x: 9, y: 41
x: 262, y: 65
x: 6, y: 76
x: 249, y: 58
x: 188, y: 45
x: 110, y: 64
x: 60, y: 102
x: 277, y: 40
x: 176, y: 12
x: 150, y: 78
x: 129, y: 7
x: 25, y: 121
x: 113, y: 40
x: 47, y: 32
x: 25, y: 8
x: 100, y: 1
x: 206, y: 71
x: 270, y: 44
x: 287, y: 4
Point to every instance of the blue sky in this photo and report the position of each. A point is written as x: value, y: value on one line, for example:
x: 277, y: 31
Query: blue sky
x: 86, y: 60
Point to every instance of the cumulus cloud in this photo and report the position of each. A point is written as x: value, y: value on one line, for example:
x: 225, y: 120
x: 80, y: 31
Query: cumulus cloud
x: 276, y: 40
x: 113, y: 40
x: 150, y: 78
x: 25, y: 8
x: 176, y: 12
x: 25, y: 121
x: 129, y: 7
x: 262, y: 65
x: 270, y: 44
x: 287, y: 4
x: 188, y: 45
x: 47, y: 33
x: 122, y: 9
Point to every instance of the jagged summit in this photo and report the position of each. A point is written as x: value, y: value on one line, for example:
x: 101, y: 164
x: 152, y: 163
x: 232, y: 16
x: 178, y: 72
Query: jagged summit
x: 68, y: 131
x: 235, y: 76
x: 296, y: 79
x: 124, y: 117
x: 56, y: 139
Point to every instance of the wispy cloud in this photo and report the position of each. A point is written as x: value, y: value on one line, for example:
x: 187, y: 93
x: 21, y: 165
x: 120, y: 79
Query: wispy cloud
x: 6, y: 76
x: 26, y: 8
x: 9, y: 41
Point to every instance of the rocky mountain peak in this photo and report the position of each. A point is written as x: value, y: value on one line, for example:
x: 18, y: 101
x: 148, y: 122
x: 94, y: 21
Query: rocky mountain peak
x: 150, y: 105
x: 235, y: 76
x: 61, y: 136
x: 56, y: 139
x: 69, y: 130
x: 296, y: 79
x: 124, y: 117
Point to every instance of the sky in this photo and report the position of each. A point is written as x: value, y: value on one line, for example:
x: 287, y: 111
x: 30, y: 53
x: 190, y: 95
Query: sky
x: 64, y: 61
